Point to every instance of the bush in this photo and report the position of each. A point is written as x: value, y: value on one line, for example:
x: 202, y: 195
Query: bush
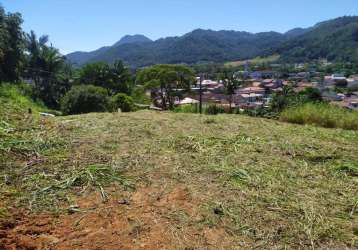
x: 188, y: 108
x: 214, y: 110
x: 321, y: 114
x: 123, y: 102
x: 85, y: 99
x: 139, y: 96
x: 21, y: 95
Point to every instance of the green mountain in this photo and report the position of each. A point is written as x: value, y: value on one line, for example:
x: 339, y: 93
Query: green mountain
x: 80, y: 58
x: 335, y: 39
x: 135, y: 39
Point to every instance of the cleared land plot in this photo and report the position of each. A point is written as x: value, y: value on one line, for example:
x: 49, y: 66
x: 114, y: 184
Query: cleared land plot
x: 149, y: 180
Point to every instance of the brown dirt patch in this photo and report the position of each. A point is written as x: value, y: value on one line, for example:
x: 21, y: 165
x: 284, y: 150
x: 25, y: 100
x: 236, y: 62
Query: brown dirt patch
x: 150, y: 218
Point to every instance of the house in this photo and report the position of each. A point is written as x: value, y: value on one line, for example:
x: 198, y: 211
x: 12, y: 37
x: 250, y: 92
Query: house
x: 186, y: 101
x: 335, y: 80
x: 352, y: 82
x: 300, y: 76
x: 209, y: 84
x: 250, y: 90
x: 348, y: 103
x: 301, y: 86
x: 332, y: 96
x: 248, y: 98
x: 264, y: 74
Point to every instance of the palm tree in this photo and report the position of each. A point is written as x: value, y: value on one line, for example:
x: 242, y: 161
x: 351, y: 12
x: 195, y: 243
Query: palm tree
x: 45, y: 66
x: 34, y: 47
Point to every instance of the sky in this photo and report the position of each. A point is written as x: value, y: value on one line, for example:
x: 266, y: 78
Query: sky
x: 85, y: 25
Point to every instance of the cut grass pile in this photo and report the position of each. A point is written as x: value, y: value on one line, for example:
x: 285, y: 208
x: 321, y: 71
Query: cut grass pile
x: 256, y: 183
x: 324, y: 115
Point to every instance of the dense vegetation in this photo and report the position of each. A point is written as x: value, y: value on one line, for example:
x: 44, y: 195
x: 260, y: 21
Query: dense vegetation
x: 164, y: 82
x: 335, y: 40
x: 28, y: 58
x: 123, y: 102
x: 85, y: 99
x: 321, y: 114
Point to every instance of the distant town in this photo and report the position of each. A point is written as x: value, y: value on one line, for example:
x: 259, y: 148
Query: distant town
x: 257, y: 87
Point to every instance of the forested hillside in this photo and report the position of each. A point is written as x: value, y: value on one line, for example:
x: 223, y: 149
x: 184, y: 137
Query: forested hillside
x: 335, y: 40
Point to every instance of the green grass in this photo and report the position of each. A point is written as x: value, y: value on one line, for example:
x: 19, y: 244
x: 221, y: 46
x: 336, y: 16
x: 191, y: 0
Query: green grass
x: 19, y: 96
x: 262, y: 183
x: 256, y: 60
x: 323, y: 115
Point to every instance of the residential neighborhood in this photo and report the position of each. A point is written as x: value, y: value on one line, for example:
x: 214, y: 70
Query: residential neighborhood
x: 256, y: 89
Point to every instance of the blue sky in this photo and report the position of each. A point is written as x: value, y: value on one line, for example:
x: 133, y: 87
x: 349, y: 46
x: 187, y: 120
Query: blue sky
x: 89, y: 24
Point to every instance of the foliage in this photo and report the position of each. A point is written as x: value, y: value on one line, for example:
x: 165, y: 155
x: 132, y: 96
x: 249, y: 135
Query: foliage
x: 164, y: 81
x: 18, y: 97
x: 198, y: 46
x: 321, y: 114
x: 11, y: 46
x: 188, y: 108
x: 334, y: 40
x: 139, y: 95
x: 116, y: 78
x: 289, y: 98
x: 47, y: 68
x: 207, y: 46
x: 123, y: 102
x: 85, y: 99
x: 231, y: 83
x: 213, y: 109
x: 28, y: 57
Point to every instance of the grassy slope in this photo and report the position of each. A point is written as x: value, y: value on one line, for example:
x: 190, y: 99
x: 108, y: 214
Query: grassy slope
x: 256, y: 60
x: 201, y: 182
x: 324, y: 115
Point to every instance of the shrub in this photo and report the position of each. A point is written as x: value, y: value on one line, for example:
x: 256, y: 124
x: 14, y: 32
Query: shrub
x: 321, y: 114
x: 189, y: 108
x: 213, y: 109
x: 85, y: 99
x: 122, y: 101
x: 21, y: 95
x: 139, y: 96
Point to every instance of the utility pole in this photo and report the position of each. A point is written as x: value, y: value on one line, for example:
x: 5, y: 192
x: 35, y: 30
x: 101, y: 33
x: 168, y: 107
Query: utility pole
x: 201, y: 94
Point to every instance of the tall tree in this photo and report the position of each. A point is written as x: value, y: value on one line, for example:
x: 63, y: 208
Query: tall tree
x: 45, y: 65
x: 164, y: 81
x: 231, y: 83
x: 11, y: 46
x: 116, y: 78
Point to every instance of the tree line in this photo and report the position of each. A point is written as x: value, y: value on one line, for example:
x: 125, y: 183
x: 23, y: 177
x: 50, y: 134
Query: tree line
x: 94, y: 87
x: 31, y: 58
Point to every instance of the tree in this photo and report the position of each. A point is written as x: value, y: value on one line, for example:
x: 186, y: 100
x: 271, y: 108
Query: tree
x: 46, y: 66
x: 122, y: 101
x: 164, y: 81
x: 289, y: 98
x: 231, y: 83
x: 11, y: 46
x: 83, y: 99
x: 116, y: 78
